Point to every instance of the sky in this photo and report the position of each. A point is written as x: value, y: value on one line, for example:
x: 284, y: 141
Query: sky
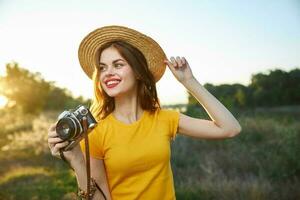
x: 223, y: 41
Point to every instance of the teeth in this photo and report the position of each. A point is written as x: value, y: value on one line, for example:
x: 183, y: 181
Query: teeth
x: 112, y: 82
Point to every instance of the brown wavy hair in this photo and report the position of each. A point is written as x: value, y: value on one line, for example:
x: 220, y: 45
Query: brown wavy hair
x: 102, y: 104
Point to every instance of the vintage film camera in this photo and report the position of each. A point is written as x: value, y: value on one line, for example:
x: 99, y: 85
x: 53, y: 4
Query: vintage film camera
x: 70, y: 125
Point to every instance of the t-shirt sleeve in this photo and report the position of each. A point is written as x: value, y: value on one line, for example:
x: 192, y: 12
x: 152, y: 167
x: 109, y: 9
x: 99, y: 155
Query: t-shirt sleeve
x: 95, y: 144
x: 173, y: 119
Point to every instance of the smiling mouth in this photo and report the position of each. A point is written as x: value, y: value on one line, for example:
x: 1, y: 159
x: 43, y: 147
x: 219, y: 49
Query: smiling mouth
x: 112, y: 84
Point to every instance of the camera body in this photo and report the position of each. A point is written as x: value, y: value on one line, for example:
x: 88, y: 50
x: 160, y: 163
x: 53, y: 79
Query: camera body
x: 70, y: 125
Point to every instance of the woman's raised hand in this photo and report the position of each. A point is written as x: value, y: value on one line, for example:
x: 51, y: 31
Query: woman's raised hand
x: 180, y: 68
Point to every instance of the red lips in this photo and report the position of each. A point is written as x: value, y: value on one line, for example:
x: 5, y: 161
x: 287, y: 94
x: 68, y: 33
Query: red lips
x: 112, y: 79
x: 116, y: 81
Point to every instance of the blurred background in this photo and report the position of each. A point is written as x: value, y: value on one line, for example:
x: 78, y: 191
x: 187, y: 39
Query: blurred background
x: 247, y: 54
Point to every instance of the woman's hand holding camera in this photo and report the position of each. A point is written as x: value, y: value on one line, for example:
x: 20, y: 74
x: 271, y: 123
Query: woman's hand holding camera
x: 55, y: 144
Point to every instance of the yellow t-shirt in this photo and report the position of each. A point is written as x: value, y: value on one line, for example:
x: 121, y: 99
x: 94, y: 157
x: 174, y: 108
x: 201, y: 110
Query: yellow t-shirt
x: 137, y: 155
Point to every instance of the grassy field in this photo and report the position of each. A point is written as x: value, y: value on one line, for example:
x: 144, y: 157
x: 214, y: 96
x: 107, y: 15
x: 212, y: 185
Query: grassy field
x: 262, y: 163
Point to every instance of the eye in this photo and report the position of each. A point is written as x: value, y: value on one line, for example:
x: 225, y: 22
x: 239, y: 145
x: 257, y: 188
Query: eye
x: 101, y: 68
x: 118, y: 65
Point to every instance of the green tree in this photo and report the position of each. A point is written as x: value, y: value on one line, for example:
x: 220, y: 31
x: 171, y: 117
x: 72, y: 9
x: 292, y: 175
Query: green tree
x: 24, y: 89
x: 31, y: 93
x: 276, y: 88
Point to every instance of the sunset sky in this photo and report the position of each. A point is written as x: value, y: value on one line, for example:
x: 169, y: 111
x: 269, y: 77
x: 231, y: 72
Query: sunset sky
x: 224, y: 41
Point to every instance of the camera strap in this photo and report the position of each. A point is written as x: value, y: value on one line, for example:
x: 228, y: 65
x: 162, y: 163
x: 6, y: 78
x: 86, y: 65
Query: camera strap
x: 87, y: 155
x: 87, y: 159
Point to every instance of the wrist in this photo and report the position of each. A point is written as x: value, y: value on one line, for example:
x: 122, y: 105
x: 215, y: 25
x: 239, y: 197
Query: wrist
x: 189, y: 81
x: 77, y: 163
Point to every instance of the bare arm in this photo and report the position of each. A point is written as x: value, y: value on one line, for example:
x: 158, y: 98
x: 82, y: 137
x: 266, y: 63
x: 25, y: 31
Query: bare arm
x: 223, y: 123
x: 97, y: 172
x: 76, y: 158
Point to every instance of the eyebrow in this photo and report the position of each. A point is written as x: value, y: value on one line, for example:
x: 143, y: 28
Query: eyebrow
x: 113, y: 61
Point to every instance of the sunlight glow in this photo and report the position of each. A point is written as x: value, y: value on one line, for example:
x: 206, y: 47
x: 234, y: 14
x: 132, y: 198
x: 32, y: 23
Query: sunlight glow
x: 3, y: 101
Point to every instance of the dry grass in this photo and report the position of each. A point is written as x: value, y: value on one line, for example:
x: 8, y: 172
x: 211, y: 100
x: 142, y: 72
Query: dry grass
x: 260, y: 164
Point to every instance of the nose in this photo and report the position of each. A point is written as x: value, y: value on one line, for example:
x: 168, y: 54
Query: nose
x: 110, y: 71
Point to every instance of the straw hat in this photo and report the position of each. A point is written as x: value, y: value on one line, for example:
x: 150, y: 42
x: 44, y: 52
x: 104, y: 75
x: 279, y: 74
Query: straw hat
x: 153, y: 53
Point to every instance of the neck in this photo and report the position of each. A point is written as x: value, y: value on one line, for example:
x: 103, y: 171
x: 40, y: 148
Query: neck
x: 127, y: 108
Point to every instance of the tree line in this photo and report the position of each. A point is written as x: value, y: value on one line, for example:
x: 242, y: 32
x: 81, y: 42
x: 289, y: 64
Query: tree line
x: 31, y: 93
x: 274, y: 88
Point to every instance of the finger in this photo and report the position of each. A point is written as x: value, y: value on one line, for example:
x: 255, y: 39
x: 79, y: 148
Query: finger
x: 183, y: 60
x: 52, y: 134
x: 50, y: 146
x: 61, y: 144
x: 178, y: 60
x: 54, y: 140
x: 58, y: 146
x: 52, y: 127
x: 55, y: 154
x: 174, y: 63
x: 167, y: 62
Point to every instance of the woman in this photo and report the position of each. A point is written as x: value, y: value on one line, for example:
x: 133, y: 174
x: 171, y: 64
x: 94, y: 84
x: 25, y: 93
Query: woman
x: 130, y: 147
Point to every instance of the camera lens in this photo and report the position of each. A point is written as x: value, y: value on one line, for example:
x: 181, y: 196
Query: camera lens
x: 66, y: 128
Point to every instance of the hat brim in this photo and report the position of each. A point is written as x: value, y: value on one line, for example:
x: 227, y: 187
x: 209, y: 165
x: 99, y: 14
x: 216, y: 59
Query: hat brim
x: 89, y: 46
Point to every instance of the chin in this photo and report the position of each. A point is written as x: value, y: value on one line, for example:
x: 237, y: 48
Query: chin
x: 117, y: 92
x: 113, y: 94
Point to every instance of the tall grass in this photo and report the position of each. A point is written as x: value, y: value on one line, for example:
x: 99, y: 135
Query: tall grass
x: 27, y: 169
x: 261, y: 163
